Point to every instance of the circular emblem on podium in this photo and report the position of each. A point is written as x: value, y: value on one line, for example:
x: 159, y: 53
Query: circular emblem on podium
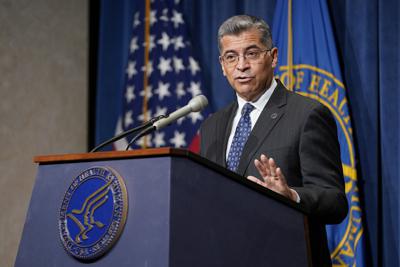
x: 93, y: 213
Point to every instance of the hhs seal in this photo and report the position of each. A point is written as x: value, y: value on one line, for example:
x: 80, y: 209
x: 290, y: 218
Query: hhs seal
x: 93, y: 213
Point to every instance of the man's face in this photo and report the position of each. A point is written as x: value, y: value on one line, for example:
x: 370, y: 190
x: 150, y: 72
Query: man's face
x: 249, y: 78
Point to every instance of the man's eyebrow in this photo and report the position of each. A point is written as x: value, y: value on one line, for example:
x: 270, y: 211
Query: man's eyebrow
x: 246, y: 49
x: 230, y: 51
x: 252, y: 46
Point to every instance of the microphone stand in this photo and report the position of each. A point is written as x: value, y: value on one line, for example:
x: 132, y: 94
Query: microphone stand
x: 147, y: 125
x: 144, y: 132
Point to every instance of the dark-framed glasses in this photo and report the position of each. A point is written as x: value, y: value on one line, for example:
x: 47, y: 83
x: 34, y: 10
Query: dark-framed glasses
x: 252, y: 56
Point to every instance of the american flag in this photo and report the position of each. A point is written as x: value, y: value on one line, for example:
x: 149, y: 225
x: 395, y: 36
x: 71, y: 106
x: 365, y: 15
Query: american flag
x: 161, y: 76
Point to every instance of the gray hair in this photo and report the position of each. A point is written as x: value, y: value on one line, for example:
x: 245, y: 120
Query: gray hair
x: 238, y: 24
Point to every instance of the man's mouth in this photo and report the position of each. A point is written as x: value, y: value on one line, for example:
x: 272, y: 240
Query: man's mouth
x: 244, y: 78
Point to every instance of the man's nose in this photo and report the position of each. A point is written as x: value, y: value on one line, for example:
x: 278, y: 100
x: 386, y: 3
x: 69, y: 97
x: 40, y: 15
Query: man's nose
x: 242, y: 63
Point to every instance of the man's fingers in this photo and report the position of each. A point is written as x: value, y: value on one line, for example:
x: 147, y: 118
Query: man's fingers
x: 279, y: 173
x: 260, y: 167
x: 264, y: 160
x: 272, y: 166
x: 280, y: 176
x: 254, y: 179
x: 269, y: 172
x: 272, y: 176
x: 265, y: 163
x: 267, y: 182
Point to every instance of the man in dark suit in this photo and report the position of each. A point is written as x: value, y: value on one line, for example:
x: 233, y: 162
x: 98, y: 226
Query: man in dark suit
x: 274, y: 137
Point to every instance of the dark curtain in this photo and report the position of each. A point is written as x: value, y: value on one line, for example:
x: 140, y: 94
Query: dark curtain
x: 367, y: 36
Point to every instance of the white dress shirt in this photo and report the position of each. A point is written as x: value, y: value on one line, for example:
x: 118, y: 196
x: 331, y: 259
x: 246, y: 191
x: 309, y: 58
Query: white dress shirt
x: 258, y: 104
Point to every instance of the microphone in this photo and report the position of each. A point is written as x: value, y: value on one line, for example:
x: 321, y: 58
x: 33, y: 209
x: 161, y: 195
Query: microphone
x: 196, y: 104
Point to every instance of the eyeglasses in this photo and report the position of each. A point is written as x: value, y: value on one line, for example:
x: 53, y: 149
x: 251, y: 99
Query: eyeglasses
x: 252, y: 56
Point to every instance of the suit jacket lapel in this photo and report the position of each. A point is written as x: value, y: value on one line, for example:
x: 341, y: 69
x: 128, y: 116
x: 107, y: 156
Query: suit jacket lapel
x: 223, y: 130
x: 269, y: 117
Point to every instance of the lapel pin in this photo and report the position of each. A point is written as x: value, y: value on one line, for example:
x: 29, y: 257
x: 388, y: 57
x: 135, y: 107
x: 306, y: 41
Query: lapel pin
x: 274, y: 116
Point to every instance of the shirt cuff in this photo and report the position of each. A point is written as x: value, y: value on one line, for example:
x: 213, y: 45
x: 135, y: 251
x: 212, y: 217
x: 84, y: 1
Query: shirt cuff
x: 297, y: 195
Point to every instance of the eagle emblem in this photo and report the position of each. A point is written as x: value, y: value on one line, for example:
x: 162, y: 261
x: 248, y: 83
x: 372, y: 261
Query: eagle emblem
x: 93, y: 213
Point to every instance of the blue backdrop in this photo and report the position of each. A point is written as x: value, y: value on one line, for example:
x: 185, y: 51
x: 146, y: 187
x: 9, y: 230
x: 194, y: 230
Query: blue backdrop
x: 367, y: 36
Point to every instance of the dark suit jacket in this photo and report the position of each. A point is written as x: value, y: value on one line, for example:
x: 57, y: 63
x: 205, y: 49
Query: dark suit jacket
x: 301, y: 135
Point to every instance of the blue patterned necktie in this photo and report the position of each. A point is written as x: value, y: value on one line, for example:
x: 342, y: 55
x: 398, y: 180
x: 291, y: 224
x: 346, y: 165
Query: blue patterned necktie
x: 242, y: 132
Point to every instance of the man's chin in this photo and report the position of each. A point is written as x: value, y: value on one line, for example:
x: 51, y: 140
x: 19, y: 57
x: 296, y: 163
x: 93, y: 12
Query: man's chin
x: 247, y: 95
x: 244, y: 89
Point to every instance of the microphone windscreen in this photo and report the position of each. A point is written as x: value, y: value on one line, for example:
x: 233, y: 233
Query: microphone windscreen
x: 198, y: 103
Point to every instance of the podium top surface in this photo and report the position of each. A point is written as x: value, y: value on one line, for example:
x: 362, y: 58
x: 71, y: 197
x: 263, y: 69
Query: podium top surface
x: 109, y: 155
x: 165, y: 152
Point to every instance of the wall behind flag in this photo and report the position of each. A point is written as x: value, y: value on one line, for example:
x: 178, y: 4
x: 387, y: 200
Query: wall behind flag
x: 43, y: 106
x: 367, y: 37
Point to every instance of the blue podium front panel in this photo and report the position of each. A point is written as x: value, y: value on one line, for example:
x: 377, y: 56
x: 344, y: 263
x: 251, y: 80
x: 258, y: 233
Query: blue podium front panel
x: 145, y: 237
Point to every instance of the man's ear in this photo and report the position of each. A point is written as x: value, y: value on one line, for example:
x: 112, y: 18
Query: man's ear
x: 223, y: 70
x: 222, y: 66
x: 274, y: 55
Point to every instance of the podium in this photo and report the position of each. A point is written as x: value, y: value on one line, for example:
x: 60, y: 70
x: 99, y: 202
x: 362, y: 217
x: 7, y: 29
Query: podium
x: 183, y: 210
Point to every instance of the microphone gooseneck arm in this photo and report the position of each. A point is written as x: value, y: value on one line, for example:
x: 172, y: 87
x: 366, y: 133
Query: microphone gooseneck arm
x: 196, y: 104
x: 128, y: 132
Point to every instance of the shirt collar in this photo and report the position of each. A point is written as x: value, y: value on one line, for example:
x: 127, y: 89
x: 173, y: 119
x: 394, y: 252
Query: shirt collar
x: 260, y: 103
